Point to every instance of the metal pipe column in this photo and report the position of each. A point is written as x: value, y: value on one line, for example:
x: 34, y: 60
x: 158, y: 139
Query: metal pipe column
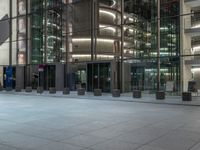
x: 158, y: 45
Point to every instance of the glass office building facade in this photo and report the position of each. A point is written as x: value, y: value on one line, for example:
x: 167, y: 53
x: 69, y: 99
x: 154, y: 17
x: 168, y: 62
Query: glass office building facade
x: 105, y: 44
x: 169, y: 41
x: 46, y: 31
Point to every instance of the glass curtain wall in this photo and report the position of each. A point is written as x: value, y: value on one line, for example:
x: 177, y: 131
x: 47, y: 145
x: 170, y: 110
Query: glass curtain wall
x: 4, y: 32
x: 141, y: 39
x: 54, y: 40
x: 37, y: 31
x: 46, y: 42
x: 169, y: 44
x: 144, y: 61
x: 4, y: 37
x: 46, y: 31
x: 22, y: 34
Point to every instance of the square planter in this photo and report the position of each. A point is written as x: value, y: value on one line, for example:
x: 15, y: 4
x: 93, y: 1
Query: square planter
x: 8, y: 89
x: 116, y: 93
x: 40, y: 90
x: 1, y: 88
x: 137, y: 94
x: 97, y: 92
x: 18, y: 89
x: 81, y: 91
x: 28, y: 89
x: 160, y: 95
x: 52, y: 90
x: 187, y: 96
x: 66, y: 91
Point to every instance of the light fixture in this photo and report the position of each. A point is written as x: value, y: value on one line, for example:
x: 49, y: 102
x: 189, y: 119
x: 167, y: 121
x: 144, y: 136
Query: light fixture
x: 108, y: 13
x: 88, y: 55
x: 195, y: 70
x: 88, y: 40
x: 104, y: 27
x: 195, y: 49
x: 130, y: 19
x: 196, y: 26
x: 114, y: 3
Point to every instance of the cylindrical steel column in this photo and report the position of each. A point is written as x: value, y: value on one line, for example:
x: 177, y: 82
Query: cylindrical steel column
x: 122, y: 45
x: 10, y: 35
x: 158, y: 45
x: 92, y: 30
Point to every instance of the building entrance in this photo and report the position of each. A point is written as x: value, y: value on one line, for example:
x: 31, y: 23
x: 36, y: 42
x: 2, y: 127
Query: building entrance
x: 47, y: 76
x: 137, y: 79
x: 99, y: 76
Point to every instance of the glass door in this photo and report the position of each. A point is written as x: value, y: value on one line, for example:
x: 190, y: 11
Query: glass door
x: 99, y: 76
x: 49, y: 76
x: 105, y: 77
x: 95, y: 76
x: 137, y: 78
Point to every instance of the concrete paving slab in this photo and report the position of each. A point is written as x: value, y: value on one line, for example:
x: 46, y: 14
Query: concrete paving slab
x: 36, y: 122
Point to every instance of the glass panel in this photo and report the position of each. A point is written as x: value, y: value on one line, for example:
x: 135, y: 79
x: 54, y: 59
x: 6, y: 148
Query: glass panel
x: 89, y: 77
x: 49, y: 77
x: 95, y: 76
x: 4, y: 32
x: 105, y: 77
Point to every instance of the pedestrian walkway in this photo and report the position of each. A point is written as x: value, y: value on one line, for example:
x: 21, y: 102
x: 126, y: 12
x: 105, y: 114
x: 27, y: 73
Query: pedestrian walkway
x: 127, y: 97
x: 35, y: 122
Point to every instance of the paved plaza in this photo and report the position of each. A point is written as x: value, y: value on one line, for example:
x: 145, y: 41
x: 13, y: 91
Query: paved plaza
x: 29, y: 122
